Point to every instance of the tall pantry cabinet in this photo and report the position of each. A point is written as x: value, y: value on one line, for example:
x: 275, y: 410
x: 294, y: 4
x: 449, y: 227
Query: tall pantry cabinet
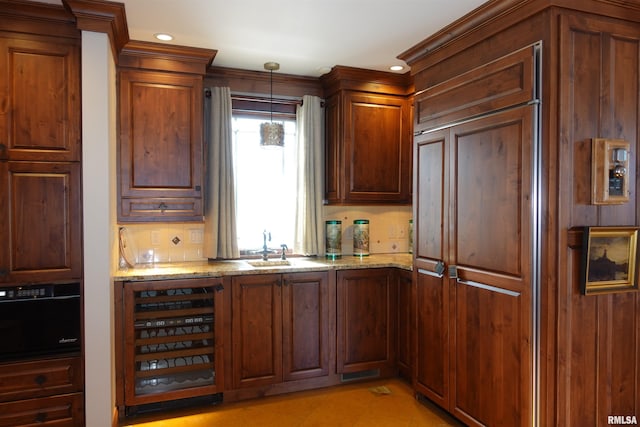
x: 40, y: 198
x: 40, y: 153
x: 505, y: 337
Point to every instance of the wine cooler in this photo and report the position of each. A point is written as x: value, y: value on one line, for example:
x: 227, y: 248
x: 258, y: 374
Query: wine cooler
x: 170, y: 340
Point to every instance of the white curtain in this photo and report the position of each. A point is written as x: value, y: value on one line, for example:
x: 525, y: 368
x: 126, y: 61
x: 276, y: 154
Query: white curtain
x: 220, y: 237
x: 309, y: 232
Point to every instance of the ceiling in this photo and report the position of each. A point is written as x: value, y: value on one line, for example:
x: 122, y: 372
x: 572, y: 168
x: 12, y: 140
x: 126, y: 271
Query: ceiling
x: 306, y: 37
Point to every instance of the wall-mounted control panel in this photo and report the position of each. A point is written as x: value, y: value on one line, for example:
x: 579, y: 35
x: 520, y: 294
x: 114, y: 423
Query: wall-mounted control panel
x: 609, y: 171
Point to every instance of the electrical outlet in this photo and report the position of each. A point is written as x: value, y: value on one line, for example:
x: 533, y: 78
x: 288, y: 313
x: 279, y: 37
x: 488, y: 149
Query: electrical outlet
x: 195, y: 236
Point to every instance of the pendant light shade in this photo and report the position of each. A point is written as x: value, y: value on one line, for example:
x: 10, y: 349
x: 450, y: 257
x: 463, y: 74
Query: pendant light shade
x: 271, y: 134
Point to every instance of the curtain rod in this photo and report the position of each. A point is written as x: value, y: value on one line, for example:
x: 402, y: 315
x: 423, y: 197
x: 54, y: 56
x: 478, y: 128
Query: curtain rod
x: 285, y: 101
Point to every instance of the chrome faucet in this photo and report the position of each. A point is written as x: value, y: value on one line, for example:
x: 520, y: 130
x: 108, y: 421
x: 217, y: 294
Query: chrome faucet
x: 265, y: 248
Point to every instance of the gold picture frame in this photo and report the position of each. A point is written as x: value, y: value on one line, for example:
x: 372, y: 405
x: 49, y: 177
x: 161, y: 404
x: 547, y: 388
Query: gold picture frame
x: 609, y: 259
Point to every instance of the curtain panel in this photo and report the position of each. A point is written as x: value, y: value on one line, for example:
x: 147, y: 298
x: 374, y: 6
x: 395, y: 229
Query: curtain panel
x: 220, y: 237
x: 309, y: 232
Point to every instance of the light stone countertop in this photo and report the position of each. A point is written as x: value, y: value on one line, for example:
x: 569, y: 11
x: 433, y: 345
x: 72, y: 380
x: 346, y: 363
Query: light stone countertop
x: 204, y: 269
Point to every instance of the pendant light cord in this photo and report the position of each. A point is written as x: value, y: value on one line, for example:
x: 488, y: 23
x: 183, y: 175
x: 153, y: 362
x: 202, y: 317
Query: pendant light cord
x: 271, y: 89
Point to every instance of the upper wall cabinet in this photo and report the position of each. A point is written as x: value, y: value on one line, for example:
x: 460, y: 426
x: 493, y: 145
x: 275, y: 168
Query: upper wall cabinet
x: 161, y: 132
x: 39, y: 118
x: 368, y: 137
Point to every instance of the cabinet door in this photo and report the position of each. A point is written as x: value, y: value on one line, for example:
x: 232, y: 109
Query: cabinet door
x: 256, y: 330
x: 368, y: 149
x: 39, y: 99
x: 377, y: 148
x: 491, y: 245
x: 41, y: 221
x: 366, y: 320
x: 431, y: 186
x: 306, y: 322
x: 160, y: 146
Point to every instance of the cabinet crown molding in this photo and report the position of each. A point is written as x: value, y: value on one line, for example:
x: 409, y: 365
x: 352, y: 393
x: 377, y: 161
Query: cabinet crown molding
x: 164, y: 57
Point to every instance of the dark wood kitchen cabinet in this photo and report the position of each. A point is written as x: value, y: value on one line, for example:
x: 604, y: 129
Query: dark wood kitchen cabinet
x: 40, y: 97
x: 41, y: 221
x: 366, y: 321
x: 42, y: 392
x: 160, y: 145
x: 168, y: 341
x: 368, y: 138
x: 40, y: 196
x: 281, y: 331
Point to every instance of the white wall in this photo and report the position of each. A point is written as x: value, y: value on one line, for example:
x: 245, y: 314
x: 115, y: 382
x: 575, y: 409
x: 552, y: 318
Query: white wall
x: 98, y: 180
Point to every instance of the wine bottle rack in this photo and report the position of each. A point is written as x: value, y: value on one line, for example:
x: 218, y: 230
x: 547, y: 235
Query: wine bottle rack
x: 172, y: 342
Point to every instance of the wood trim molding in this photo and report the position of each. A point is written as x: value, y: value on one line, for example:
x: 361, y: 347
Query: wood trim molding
x: 258, y: 82
x: 37, y: 18
x: 101, y: 17
x: 350, y: 78
x: 166, y: 57
x: 491, y: 18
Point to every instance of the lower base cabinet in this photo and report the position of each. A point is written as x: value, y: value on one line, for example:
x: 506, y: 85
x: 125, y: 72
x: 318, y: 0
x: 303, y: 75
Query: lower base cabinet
x: 281, y: 329
x: 366, y: 321
x: 42, y: 392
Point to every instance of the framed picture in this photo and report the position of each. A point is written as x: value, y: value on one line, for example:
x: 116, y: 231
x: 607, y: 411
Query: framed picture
x: 609, y: 259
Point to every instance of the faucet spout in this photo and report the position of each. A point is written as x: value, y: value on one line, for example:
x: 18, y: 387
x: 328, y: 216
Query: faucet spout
x: 265, y: 249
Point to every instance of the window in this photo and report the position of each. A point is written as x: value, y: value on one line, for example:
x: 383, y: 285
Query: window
x: 265, y: 185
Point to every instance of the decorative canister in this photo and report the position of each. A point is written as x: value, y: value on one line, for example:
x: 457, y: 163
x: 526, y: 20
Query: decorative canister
x: 361, y: 237
x: 333, y: 239
x: 410, y: 236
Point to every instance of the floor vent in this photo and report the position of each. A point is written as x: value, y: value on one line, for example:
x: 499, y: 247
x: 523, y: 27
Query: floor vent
x: 360, y: 375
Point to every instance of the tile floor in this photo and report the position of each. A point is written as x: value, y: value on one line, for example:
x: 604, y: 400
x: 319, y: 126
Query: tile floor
x: 345, y: 405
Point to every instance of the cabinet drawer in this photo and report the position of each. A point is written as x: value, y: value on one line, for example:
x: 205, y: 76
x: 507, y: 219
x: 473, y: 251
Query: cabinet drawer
x: 161, y: 209
x: 39, y: 378
x: 58, y: 411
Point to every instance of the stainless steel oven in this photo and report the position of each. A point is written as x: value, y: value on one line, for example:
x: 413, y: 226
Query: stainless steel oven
x: 39, y: 320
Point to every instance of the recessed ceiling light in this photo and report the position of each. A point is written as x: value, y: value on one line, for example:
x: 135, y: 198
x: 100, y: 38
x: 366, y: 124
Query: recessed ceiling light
x: 396, y: 68
x: 163, y: 36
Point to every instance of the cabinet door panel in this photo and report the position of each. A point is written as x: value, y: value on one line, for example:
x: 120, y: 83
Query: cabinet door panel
x: 42, y: 216
x: 431, y: 189
x: 432, y: 337
x: 366, y: 322
x: 490, y: 239
x: 305, y: 336
x: 377, y: 148
x: 256, y: 330
x: 493, y: 196
x: 40, y: 112
x: 160, y: 146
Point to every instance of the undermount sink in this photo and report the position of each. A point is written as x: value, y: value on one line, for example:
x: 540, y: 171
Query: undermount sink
x: 269, y: 263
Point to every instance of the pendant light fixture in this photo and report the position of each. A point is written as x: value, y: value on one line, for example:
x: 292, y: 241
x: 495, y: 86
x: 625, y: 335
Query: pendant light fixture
x: 271, y: 134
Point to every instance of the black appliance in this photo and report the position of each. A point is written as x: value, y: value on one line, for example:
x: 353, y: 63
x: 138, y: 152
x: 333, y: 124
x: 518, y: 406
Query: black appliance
x: 39, y: 320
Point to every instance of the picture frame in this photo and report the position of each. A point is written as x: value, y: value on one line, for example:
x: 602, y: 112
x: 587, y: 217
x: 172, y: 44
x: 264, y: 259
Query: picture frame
x: 609, y: 259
